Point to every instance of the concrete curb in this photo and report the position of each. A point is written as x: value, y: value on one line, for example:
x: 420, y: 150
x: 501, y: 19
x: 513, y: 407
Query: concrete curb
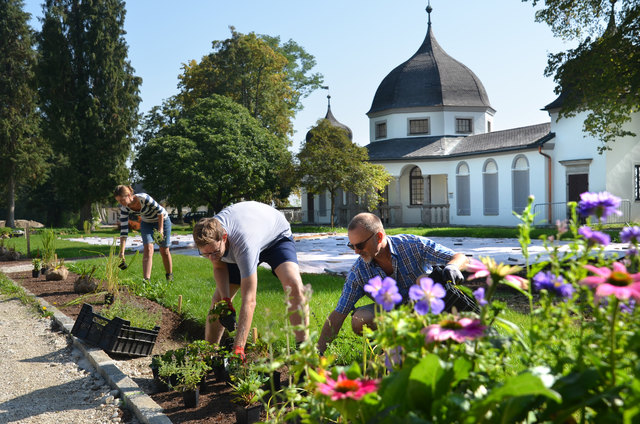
x: 143, y: 407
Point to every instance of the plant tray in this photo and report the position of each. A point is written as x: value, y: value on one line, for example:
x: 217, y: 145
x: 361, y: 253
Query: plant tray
x: 115, y: 335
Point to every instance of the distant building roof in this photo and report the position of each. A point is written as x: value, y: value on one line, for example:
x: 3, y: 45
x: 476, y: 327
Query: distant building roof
x: 429, y: 78
x: 333, y: 121
x: 444, y: 147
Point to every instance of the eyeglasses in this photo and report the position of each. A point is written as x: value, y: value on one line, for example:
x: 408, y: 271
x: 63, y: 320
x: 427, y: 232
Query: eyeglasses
x: 360, y: 245
x: 209, y: 255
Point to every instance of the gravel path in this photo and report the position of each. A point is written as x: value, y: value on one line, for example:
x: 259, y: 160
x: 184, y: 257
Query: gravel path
x: 45, y: 379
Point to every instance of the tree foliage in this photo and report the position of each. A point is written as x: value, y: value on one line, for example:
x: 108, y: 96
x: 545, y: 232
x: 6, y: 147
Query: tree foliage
x: 257, y: 72
x: 601, y: 75
x: 329, y: 161
x: 22, y: 152
x: 89, y: 98
x: 214, y: 153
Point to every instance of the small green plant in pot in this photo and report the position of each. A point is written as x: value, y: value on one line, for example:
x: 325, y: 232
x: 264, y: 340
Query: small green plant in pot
x: 247, y: 387
x: 37, y: 263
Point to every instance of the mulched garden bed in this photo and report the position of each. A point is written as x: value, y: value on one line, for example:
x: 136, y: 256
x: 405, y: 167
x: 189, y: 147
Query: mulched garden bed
x: 216, y: 405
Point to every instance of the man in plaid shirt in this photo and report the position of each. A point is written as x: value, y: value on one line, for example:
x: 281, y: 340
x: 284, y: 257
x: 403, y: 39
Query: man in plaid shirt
x: 404, y: 258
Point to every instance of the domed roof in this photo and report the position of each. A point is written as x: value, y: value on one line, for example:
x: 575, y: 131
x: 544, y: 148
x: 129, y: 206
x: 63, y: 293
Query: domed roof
x: 429, y: 78
x: 333, y: 121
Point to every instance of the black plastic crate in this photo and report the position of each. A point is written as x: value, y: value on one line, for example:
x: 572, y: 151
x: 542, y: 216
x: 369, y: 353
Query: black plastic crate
x: 113, y: 336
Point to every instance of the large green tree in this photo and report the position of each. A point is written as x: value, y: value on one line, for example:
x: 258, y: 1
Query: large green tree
x: 89, y: 96
x: 257, y: 71
x: 601, y: 75
x: 329, y: 161
x: 22, y: 153
x: 218, y: 154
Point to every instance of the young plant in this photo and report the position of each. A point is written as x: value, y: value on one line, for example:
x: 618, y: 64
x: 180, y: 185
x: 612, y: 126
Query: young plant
x: 36, y: 264
x: 48, y: 247
x: 137, y: 315
x: 247, y: 386
x: 158, y: 237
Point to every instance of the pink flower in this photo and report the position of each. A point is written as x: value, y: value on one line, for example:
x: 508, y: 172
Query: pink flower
x: 616, y: 281
x: 459, y: 331
x: 516, y: 281
x: 478, y: 270
x: 345, y: 388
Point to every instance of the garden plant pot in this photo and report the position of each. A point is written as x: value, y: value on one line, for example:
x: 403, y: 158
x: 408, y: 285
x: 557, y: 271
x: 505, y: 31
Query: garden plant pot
x: 191, y: 398
x: 248, y: 414
x: 109, y: 298
x: 35, y: 273
x: 221, y: 373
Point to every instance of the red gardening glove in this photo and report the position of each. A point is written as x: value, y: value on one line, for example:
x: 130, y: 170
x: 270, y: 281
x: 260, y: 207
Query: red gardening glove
x: 229, y: 304
x: 239, y: 350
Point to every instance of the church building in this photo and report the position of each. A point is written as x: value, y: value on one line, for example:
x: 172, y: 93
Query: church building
x: 430, y: 127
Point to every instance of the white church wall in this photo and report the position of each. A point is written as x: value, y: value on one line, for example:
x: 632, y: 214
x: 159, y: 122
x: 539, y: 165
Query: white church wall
x: 621, y: 162
x: 440, y: 123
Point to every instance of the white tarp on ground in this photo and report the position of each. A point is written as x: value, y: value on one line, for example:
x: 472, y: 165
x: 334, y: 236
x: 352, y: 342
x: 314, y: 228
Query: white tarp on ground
x: 320, y: 253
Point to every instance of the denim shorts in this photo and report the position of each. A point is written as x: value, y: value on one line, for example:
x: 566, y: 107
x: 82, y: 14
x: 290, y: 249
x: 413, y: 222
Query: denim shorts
x: 146, y: 231
x: 284, y: 250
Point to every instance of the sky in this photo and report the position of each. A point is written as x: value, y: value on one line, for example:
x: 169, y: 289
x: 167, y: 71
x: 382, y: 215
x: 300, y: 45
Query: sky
x: 356, y: 43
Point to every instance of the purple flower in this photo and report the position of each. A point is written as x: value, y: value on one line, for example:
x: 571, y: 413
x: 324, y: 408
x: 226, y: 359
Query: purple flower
x: 374, y: 286
x: 545, y: 280
x: 628, y: 308
x: 457, y: 330
x: 479, y: 295
x: 384, y: 292
x: 393, y: 358
x: 428, y: 296
x: 594, y: 237
x: 600, y: 205
x: 630, y: 234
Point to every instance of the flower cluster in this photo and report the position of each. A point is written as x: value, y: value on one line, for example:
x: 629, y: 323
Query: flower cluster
x: 346, y: 388
x: 545, y: 280
x: 601, y: 205
x: 594, y: 237
x: 384, y: 292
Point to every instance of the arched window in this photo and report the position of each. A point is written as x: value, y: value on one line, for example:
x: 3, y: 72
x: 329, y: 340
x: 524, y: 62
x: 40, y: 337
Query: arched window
x: 416, y: 186
x: 490, y: 187
x: 520, y: 183
x: 463, y: 190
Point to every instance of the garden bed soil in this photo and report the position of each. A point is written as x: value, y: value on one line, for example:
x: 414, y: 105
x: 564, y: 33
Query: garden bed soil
x: 216, y: 405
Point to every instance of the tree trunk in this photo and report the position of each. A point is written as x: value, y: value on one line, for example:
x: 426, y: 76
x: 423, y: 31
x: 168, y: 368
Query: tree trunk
x: 333, y: 206
x: 11, y: 197
x: 85, y: 215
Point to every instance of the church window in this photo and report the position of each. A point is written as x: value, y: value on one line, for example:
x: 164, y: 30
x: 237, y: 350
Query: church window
x: 488, y: 126
x: 322, y: 204
x: 418, y: 126
x: 416, y: 188
x: 490, y: 188
x: 381, y: 130
x: 520, y: 183
x: 464, y: 125
x: 463, y: 190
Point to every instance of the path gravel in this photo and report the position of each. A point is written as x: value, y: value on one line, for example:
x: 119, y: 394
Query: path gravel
x: 44, y: 378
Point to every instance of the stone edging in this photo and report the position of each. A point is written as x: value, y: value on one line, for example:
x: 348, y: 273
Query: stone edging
x: 144, y: 408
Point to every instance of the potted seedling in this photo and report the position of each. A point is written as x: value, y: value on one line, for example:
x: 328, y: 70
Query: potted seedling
x: 37, y: 263
x: 224, y: 312
x: 189, y: 374
x: 247, y: 393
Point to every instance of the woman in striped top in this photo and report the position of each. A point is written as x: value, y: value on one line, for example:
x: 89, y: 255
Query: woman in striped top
x: 154, y: 216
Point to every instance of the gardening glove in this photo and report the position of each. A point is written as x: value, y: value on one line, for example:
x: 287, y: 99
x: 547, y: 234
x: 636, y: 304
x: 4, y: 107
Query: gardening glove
x: 239, y: 351
x: 228, y: 320
x: 451, y: 274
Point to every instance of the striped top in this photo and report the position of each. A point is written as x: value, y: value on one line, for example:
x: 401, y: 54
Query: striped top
x: 148, y: 212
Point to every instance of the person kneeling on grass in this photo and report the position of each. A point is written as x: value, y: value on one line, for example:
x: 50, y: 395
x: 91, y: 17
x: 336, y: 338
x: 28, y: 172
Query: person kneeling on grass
x: 236, y: 241
x: 403, y: 257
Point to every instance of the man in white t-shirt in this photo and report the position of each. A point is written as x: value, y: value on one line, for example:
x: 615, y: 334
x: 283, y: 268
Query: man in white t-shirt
x: 236, y: 241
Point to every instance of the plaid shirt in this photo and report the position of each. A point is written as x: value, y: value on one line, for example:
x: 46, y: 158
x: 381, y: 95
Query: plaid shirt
x: 411, y: 256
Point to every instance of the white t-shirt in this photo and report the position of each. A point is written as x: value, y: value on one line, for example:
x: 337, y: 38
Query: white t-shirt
x: 251, y: 228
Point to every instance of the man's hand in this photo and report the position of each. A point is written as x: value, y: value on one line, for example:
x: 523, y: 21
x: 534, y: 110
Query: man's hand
x: 451, y: 274
x: 239, y: 351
